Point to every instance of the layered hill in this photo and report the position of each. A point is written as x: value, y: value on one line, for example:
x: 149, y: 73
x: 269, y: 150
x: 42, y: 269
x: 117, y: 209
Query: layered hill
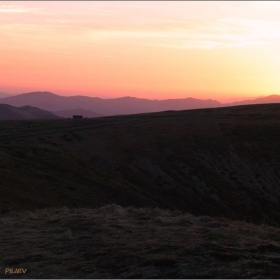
x: 8, y: 112
x: 261, y: 100
x: 66, y: 106
x: 107, y: 107
x: 219, y: 162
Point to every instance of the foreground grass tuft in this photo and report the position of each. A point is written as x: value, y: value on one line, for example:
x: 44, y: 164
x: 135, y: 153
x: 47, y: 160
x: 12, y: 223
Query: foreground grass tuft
x: 117, y: 242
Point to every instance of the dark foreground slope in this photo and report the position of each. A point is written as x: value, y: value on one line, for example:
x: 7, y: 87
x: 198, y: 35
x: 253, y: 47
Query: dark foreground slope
x: 219, y: 162
x: 116, y: 242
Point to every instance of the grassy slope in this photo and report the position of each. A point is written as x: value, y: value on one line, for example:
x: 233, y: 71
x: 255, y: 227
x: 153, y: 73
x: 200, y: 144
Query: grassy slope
x: 212, y: 161
x: 116, y: 242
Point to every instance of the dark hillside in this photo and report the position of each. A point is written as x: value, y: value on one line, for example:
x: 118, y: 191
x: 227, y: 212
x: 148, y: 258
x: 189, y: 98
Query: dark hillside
x: 219, y: 162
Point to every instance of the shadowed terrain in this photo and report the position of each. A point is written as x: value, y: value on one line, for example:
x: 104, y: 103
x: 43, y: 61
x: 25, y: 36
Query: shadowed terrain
x: 160, y: 169
x: 116, y: 242
x: 222, y: 161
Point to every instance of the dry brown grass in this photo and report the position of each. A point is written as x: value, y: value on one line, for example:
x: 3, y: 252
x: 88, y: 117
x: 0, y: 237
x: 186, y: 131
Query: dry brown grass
x: 117, y: 242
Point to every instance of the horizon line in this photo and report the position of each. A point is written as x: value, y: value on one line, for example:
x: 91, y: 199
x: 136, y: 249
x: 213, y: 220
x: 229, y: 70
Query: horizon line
x: 155, y: 99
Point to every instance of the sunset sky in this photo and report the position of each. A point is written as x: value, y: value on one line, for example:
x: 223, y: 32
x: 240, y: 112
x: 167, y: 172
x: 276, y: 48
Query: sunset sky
x: 156, y: 50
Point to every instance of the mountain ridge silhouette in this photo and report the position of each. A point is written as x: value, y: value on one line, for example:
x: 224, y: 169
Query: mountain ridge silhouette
x: 119, y: 106
x: 9, y: 112
x: 107, y: 107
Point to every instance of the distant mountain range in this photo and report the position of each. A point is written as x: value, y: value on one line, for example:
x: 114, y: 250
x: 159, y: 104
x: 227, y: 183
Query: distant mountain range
x: 8, y: 112
x: 66, y: 106
x: 261, y: 100
x: 107, y: 107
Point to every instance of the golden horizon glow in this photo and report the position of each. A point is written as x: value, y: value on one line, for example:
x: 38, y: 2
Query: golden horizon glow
x: 156, y: 50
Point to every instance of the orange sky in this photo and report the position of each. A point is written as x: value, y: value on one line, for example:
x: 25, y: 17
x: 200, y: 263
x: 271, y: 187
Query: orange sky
x: 157, y: 50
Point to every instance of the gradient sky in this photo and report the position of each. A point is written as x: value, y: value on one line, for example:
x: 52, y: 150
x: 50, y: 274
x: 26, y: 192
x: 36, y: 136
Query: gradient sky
x: 157, y: 50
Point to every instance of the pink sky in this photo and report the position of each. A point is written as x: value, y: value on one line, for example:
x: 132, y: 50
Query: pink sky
x: 156, y: 50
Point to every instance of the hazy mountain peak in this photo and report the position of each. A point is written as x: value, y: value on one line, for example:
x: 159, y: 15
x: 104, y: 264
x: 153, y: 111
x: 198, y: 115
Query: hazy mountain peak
x: 272, y: 96
x: 3, y: 94
x: 42, y: 93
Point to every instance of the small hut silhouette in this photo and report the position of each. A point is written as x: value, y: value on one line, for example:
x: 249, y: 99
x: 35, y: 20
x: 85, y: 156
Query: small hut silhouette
x: 77, y: 116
